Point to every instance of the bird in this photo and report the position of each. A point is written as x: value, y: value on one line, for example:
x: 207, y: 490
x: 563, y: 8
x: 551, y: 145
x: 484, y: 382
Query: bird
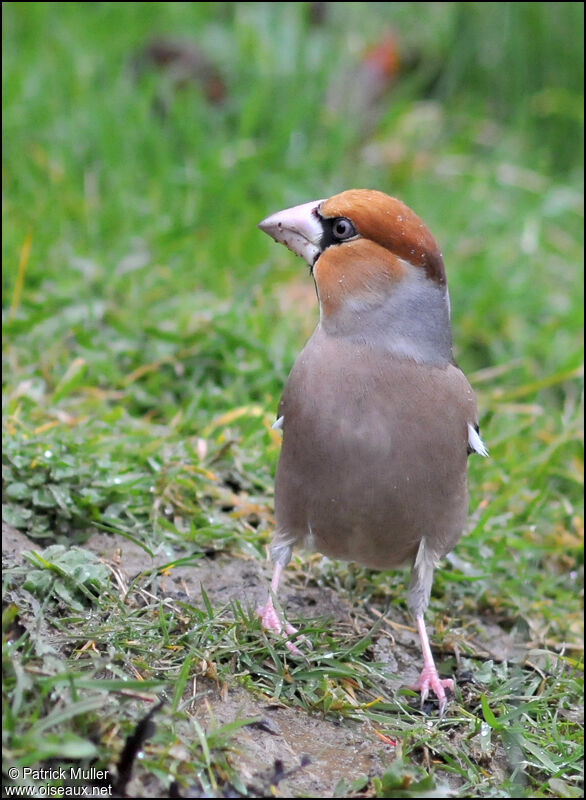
x: 378, y: 420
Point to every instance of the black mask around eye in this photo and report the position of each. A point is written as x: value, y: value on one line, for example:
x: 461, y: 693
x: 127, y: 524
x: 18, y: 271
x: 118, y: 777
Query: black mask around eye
x: 336, y: 231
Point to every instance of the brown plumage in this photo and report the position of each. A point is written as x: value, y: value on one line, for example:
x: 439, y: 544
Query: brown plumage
x: 391, y: 224
x: 377, y: 419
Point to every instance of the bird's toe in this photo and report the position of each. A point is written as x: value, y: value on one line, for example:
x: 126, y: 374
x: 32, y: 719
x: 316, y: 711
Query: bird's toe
x: 271, y: 621
x: 429, y: 680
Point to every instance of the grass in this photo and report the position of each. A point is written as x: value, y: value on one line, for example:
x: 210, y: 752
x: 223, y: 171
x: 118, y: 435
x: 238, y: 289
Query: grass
x: 148, y: 328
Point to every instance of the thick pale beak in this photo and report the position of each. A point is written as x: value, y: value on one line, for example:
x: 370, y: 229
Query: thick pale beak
x: 298, y: 228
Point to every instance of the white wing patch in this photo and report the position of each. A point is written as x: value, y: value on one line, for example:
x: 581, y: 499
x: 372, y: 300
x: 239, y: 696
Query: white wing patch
x: 278, y: 424
x: 475, y: 442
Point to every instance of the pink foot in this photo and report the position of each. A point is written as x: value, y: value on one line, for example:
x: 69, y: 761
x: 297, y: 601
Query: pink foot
x: 429, y: 679
x: 270, y: 620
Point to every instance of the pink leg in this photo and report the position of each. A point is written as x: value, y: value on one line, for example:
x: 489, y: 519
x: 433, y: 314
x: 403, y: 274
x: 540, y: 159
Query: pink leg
x: 429, y: 678
x: 269, y: 618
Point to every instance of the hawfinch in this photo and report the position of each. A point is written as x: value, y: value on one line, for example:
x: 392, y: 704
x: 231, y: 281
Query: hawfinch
x: 378, y: 421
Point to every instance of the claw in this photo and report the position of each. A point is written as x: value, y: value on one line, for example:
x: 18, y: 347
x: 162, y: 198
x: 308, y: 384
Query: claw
x: 270, y: 620
x: 429, y: 679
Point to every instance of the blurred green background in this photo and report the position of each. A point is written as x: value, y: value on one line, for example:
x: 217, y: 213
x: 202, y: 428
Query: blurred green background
x: 136, y: 285
x: 148, y: 326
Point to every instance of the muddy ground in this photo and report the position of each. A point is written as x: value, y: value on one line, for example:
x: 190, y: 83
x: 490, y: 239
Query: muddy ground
x: 316, y: 752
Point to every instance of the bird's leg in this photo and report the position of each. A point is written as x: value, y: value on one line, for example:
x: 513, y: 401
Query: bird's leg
x: 429, y: 678
x: 269, y: 617
x: 418, y: 600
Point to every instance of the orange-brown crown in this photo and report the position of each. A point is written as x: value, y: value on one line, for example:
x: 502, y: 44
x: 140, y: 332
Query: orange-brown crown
x: 391, y: 224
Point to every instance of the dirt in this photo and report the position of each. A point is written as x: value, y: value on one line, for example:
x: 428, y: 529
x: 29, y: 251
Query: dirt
x: 315, y: 752
x: 331, y: 751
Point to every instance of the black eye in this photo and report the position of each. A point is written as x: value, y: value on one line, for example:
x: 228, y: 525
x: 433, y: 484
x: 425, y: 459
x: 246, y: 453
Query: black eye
x: 342, y: 228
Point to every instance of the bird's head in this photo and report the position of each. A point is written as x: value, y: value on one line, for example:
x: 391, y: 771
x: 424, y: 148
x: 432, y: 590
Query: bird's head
x: 378, y: 271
